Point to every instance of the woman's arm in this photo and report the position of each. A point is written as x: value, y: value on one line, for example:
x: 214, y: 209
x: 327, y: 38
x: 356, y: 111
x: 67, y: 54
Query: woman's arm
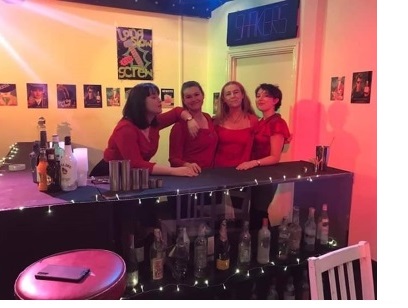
x: 177, y: 139
x: 174, y: 115
x: 175, y: 171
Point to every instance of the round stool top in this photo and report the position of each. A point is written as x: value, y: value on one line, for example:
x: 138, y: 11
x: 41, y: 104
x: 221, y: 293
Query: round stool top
x: 106, y: 279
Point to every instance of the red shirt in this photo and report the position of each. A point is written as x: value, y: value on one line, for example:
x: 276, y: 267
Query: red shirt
x: 199, y: 150
x: 128, y: 142
x: 234, y: 145
x: 263, y: 132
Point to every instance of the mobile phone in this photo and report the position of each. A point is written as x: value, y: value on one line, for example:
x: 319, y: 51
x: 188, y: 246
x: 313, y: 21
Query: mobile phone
x: 69, y: 273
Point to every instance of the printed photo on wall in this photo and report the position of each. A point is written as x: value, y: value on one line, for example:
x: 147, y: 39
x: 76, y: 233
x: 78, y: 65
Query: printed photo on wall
x: 337, y: 88
x: 216, y: 97
x: 127, y: 91
x: 135, y: 53
x: 92, y: 96
x: 8, y: 94
x: 361, y: 90
x: 37, y: 95
x: 113, y: 97
x: 167, y: 98
x: 66, y: 96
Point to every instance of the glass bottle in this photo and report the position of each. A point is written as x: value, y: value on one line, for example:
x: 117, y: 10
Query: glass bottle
x: 289, y: 293
x: 209, y: 234
x: 264, y: 242
x: 310, y: 231
x: 323, y: 226
x: 69, y: 174
x: 244, y: 247
x: 295, y: 231
x: 223, y: 248
x: 283, y: 239
x: 42, y: 131
x: 132, y: 267
x: 42, y: 170
x: 34, y: 159
x: 53, y: 172
x: 180, y: 257
x: 59, y: 152
x: 200, y: 253
x: 186, y: 241
x: 366, y: 90
x: 157, y: 255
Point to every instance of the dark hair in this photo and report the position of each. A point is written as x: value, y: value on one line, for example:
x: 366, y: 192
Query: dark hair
x: 190, y: 84
x: 135, y: 106
x: 273, y: 91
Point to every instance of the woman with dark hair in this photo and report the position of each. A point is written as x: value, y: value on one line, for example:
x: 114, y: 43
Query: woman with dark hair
x: 136, y: 136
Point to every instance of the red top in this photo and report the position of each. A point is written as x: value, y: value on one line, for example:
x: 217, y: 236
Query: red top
x: 128, y: 142
x: 265, y: 129
x: 199, y: 150
x: 234, y: 145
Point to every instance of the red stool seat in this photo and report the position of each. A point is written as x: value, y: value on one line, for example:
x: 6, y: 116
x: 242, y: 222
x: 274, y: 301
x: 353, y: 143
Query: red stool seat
x: 107, y: 278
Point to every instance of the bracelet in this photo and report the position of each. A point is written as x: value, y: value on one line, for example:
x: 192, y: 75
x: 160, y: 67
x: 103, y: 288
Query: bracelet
x: 259, y: 163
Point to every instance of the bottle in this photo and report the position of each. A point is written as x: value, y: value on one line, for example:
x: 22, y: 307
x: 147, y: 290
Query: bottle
x: 69, y: 174
x: 295, y: 231
x: 323, y: 226
x: 209, y: 233
x: 366, y: 90
x: 42, y: 130
x: 157, y: 255
x: 264, y: 242
x: 305, y: 286
x: 186, y: 241
x: 244, y: 247
x: 309, y: 239
x: 53, y: 172
x: 98, y: 97
x: 289, y: 293
x: 42, y: 170
x: 34, y: 159
x: 283, y: 239
x: 140, y: 242
x: 132, y: 267
x: 223, y: 248
x: 272, y: 292
x: 59, y: 152
x: 180, y: 257
x: 200, y: 253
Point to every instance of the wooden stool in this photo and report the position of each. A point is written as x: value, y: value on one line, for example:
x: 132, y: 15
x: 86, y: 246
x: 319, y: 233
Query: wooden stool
x: 106, y: 280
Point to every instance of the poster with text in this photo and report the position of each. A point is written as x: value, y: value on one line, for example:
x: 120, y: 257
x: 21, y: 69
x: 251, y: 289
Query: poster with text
x: 135, y: 53
x: 113, y: 97
x: 37, y: 95
x: 66, y: 96
x: 92, y: 96
x: 8, y: 94
x: 361, y: 90
x: 167, y: 98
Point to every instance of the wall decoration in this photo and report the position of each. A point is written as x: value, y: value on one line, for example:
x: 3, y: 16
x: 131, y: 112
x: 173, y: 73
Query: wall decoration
x: 66, y: 96
x: 37, y: 95
x: 135, y: 53
x: 361, y: 90
x: 167, y: 98
x: 8, y: 94
x: 127, y: 91
x: 216, y: 97
x: 337, y: 88
x: 113, y: 97
x: 92, y: 96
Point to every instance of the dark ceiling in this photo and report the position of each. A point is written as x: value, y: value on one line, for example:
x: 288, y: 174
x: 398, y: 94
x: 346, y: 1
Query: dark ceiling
x: 192, y: 8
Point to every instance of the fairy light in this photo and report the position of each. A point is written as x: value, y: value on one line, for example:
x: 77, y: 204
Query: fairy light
x: 241, y: 189
x: 284, y: 177
x: 49, y: 210
x: 195, y: 196
x: 117, y: 196
x: 21, y: 208
x: 299, y: 176
x: 96, y: 198
x: 178, y: 288
x: 140, y: 201
x: 72, y: 201
x: 256, y: 181
x: 270, y: 179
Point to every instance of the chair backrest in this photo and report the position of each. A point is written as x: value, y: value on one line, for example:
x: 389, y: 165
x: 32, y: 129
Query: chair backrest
x: 342, y: 276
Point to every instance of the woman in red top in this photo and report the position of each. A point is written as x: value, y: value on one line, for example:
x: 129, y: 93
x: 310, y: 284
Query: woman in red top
x: 136, y: 136
x: 235, y: 122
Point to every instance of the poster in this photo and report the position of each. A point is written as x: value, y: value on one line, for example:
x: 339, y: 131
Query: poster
x: 37, y: 95
x: 113, y: 97
x: 8, y: 94
x: 361, y: 89
x: 167, y: 98
x: 92, y: 96
x: 135, y: 53
x: 337, y: 88
x: 66, y: 96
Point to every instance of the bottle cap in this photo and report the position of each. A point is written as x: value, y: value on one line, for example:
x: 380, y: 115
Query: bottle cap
x: 55, y: 138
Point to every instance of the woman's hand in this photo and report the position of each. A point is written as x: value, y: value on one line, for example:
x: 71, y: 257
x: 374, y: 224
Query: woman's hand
x: 196, y: 168
x: 193, y: 127
x: 184, y: 171
x: 247, y: 165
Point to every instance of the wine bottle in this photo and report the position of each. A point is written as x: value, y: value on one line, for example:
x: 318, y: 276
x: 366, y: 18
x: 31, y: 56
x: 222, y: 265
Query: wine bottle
x: 223, y: 248
x: 157, y: 256
x: 244, y: 247
x: 264, y: 243
x: 200, y: 253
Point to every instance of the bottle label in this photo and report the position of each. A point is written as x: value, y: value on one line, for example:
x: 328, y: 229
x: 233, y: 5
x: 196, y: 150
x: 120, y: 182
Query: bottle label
x: 244, y: 255
x: 157, y: 268
x: 222, y: 264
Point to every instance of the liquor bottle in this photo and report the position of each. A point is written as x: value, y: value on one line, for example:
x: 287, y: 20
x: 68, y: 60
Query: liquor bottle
x: 283, y: 239
x: 366, y: 90
x: 323, y: 226
x: 186, y: 241
x: 59, y: 152
x: 34, y: 159
x: 295, y: 231
x: 157, y: 255
x: 42, y: 130
x: 244, y: 247
x: 223, y: 248
x: 200, y: 253
x: 310, y: 231
x: 289, y: 293
x: 180, y: 257
x: 42, y: 170
x: 209, y: 234
x: 53, y: 172
x: 305, y: 286
x: 69, y: 174
x: 264, y: 242
x: 272, y: 292
x: 132, y: 267
x: 140, y: 242
x: 98, y: 97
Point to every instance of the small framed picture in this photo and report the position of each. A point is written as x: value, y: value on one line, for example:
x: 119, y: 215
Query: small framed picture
x: 113, y: 97
x: 37, y: 95
x: 167, y: 98
x: 361, y: 90
x: 8, y: 94
x: 92, y: 96
x: 66, y: 96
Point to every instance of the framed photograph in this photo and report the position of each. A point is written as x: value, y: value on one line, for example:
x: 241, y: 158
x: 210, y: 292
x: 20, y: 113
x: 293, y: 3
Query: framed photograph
x: 361, y: 89
x: 337, y: 88
x: 92, y: 96
x: 37, y: 95
x: 8, y: 94
x: 113, y: 97
x: 66, y: 96
x: 216, y: 97
x: 167, y: 98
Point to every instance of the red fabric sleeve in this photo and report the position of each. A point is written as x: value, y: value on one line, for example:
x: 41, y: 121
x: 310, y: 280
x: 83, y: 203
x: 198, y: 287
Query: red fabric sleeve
x: 170, y: 117
x: 177, y: 141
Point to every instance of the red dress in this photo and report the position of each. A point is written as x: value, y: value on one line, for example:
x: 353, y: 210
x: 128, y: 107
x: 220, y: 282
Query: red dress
x: 199, y: 150
x: 128, y: 142
x: 263, y: 132
x: 234, y: 145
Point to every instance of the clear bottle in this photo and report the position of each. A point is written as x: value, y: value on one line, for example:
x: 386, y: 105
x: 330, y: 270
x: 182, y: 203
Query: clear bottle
x: 223, y: 248
x: 244, y: 247
x: 289, y: 293
x: 59, y: 152
x: 132, y: 266
x: 323, y: 226
x: 295, y: 231
x: 186, y: 241
x: 157, y: 255
x: 69, y: 174
x: 200, y: 253
x: 53, y: 172
x: 272, y: 292
x: 264, y: 243
x: 283, y: 239
x: 42, y: 170
x: 309, y: 239
x: 180, y: 257
x: 42, y: 131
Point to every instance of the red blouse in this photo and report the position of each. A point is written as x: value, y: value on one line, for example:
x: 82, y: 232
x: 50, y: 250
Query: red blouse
x: 128, y: 142
x: 234, y: 145
x: 199, y: 150
x: 263, y: 132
